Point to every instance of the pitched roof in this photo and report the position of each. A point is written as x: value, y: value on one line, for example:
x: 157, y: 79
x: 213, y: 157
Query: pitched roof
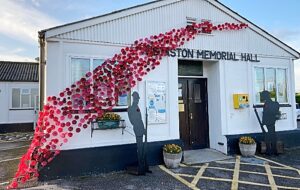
x: 19, y: 71
x: 113, y: 15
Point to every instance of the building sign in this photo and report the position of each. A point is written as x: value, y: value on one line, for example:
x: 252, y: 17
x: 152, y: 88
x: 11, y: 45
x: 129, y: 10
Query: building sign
x: 156, y: 102
x: 217, y: 55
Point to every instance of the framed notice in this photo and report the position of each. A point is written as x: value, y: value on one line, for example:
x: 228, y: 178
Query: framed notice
x: 156, y: 102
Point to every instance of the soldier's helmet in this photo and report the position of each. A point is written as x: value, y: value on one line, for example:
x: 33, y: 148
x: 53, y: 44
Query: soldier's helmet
x: 135, y: 95
x: 265, y: 95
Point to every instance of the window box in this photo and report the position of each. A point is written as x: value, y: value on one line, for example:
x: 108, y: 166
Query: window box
x: 108, y: 124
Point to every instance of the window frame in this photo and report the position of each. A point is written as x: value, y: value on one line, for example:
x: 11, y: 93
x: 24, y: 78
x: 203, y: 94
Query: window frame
x: 91, y: 58
x: 276, y: 82
x: 30, y: 98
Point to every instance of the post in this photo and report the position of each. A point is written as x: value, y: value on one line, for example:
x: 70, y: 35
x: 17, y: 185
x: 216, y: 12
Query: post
x: 42, y: 64
x: 259, y: 120
x: 145, y: 144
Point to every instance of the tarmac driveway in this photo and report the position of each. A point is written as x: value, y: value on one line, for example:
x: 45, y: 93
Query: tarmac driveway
x: 239, y: 173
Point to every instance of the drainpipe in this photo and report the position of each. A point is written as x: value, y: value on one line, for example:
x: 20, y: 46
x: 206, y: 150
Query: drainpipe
x: 42, y: 65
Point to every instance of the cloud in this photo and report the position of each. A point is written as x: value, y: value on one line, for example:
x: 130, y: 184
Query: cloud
x: 295, y: 43
x: 13, y: 55
x: 36, y: 2
x: 22, y: 21
x: 297, y: 75
x: 292, y: 38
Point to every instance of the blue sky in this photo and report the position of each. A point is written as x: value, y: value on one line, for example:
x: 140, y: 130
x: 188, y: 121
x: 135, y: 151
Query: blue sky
x: 21, y: 19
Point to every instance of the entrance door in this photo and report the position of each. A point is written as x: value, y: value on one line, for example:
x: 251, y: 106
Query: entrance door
x: 193, y: 113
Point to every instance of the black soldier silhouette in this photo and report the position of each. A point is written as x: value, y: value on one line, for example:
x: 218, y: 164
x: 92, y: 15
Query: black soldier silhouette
x: 135, y: 119
x: 270, y: 115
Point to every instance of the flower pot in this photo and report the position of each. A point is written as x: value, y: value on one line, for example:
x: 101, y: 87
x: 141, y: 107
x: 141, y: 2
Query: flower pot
x: 108, y: 124
x: 247, y: 149
x: 172, y: 160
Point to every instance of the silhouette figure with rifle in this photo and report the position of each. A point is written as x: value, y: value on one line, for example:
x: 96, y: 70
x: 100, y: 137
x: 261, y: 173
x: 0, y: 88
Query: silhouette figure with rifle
x: 270, y: 115
x: 135, y: 119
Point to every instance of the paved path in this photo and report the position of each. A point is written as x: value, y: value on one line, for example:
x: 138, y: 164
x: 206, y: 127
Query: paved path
x: 10, y: 154
x: 16, y: 136
x: 237, y: 174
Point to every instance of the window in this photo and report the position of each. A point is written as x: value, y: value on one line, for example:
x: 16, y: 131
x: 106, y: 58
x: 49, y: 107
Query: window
x: 281, y: 85
x: 81, y: 66
x: 190, y: 68
x: 273, y: 80
x: 24, y: 98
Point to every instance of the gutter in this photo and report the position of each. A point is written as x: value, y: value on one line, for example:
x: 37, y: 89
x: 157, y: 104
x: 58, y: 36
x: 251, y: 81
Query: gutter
x: 42, y: 64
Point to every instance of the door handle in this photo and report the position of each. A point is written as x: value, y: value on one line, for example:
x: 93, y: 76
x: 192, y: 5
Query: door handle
x: 191, y: 115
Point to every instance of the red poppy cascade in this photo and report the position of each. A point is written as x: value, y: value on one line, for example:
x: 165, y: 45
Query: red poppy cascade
x: 97, y: 92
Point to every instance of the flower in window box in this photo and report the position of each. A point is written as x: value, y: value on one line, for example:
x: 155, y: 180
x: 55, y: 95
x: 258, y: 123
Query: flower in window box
x: 109, y: 116
x: 109, y: 121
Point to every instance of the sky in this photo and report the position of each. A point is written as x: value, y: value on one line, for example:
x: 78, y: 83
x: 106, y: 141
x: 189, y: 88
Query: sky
x: 20, y: 21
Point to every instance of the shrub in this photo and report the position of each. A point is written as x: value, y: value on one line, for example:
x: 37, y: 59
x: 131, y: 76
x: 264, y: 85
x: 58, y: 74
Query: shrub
x: 172, y: 148
x: 247, y: 140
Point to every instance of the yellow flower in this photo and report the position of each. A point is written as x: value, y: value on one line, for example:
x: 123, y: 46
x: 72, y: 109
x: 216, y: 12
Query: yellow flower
x: 247, y: 140
x: 110, y: 116
x: 172, y: 148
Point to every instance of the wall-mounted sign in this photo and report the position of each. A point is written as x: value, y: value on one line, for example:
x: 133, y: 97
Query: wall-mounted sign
x: 240, y: 101
x: 217, y: 55
x: 156, y: 102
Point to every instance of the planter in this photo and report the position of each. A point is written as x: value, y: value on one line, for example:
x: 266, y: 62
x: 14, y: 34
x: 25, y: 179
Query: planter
x: 172, y: 160
x: 108, y: 124
x: 247, y: 149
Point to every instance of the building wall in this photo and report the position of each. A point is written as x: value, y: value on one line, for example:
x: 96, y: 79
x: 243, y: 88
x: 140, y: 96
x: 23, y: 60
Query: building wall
x: 9, y: 115
x: 131, y: 25
x: 166, y: 72
x: 224, y: 77
x: 239, y: 78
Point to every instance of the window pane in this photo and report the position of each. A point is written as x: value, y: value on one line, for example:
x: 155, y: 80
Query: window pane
x: 79, y: 67
x: 259, y: 83
x: 123, y: 100
x: 15, y: 98
x: 25, y: 100
x: 282, y: 86
x: 34, y: 93
x: 190, y: 68
x: 25, y: 91
x: 197, y: 93
x: 271, y: 83
x: 97, y: 62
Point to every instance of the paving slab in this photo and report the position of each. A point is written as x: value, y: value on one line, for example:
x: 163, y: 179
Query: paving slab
x: 203, y: 156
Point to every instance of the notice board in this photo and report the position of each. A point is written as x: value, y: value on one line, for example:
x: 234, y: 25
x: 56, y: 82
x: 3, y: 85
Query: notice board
x: 156, y: 102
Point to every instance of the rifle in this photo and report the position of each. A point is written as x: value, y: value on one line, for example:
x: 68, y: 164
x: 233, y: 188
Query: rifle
x: 258, y: 118
x: 145, y: 145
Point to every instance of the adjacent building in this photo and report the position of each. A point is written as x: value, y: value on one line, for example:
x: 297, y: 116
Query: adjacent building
x: 18, y: 96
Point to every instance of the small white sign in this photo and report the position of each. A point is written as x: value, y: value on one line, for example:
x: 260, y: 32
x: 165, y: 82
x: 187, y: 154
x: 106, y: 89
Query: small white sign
x: 156, y: 102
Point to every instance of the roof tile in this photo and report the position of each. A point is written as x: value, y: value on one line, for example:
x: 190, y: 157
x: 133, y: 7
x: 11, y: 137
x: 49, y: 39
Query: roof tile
x: 19, y: 71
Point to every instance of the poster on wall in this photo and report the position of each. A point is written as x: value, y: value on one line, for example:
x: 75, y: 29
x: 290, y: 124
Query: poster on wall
x: 156, y: 102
